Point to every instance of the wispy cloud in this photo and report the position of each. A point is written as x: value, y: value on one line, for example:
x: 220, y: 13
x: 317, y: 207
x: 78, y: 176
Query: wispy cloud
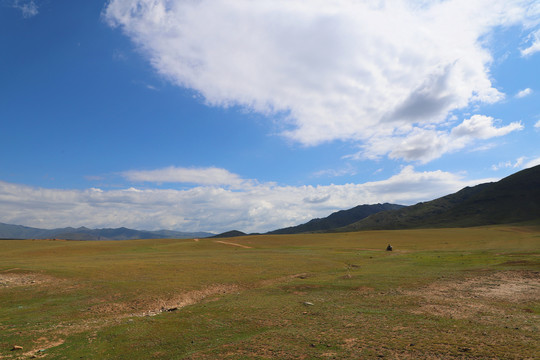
x: 520, y: 163
x: 253, y: 207
x: 172, y: 174
x: 535, y: 44
x: 338, y: 70
x: 524, y: 92
x: 347, y: 170
x: 509, y: 164
x: 28, y: 8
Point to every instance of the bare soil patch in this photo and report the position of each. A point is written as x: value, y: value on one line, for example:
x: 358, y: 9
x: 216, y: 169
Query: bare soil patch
x: 483, y: 297
x: 41, y: 346
x: 9, y: 279
x: 152, y: 306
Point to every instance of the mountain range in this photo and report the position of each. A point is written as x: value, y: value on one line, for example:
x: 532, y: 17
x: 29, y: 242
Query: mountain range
x: 514, y: 199
x: 8, y: 231
x: 337, y: 219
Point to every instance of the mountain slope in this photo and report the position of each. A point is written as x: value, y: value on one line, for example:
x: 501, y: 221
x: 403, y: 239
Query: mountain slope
x: 228, y: 234
x: 8, y: 231
x: 515, y: 198
x: 337, y: 219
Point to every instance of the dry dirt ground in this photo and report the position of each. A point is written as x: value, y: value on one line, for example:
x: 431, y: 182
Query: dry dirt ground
x: 12, y: 279
x: 479, y: 297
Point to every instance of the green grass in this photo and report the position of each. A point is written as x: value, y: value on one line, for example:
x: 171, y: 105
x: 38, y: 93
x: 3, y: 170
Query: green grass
x: 89, y: 298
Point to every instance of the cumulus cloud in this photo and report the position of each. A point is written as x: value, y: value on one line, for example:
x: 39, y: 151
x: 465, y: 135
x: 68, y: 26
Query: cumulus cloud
x: 481, y: 127
x: 330, y: 70
x: 424, y: 145
x: 28, y: 8
x: 537, y: 125
x: 523, y: 93
x: 255, y: 207
x: 172, y: 174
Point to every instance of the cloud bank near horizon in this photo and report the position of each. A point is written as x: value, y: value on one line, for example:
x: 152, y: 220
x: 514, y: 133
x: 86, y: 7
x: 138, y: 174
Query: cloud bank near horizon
x: 254, y: 207
x: 361, y: 71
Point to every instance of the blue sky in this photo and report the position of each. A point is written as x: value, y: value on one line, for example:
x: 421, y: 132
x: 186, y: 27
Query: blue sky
x: 255, y: 115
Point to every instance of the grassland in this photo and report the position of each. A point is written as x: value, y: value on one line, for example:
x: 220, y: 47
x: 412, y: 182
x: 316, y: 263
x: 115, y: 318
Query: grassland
x: 441, y: 294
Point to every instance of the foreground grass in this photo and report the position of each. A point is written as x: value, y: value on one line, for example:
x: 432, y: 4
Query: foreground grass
x: 445, y: 293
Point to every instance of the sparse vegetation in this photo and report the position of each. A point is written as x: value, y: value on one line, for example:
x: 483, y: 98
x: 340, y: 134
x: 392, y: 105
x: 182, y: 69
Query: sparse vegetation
x: 441, y: 293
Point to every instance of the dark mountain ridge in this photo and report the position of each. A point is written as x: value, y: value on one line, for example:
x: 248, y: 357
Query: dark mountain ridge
x: 513, y: 199
x: 228, y: 234
x: 337, y: 219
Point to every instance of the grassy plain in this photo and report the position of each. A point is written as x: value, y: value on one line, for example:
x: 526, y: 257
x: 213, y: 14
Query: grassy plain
x: 441, y: 294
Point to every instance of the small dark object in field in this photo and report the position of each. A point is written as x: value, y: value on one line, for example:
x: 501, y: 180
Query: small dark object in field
x: 464, y: 349
x: 389, y: 247
x: 172, y: 309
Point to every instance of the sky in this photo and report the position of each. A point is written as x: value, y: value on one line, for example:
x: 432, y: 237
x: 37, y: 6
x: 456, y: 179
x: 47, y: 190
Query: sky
x: 213, y: 115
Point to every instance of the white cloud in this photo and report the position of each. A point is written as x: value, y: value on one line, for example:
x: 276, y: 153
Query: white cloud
x: 537, y: 125
x: 508, y: 164
x: 200, y: 176
x: 28, y: 8
x: 531, y: 163
x: 255, y: 207
x: 535, y: 44
x: 523, y: 93
x: 424, y: 145
x: 481, y: 127
x: 347, y: 170
x: 348, y: 70
x: 519, y: 163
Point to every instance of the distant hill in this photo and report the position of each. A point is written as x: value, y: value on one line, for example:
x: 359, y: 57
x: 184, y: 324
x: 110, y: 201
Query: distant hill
x: 337, y: 219
x: 513, y: 199
x: 8, y: 231
x: 228, y: 234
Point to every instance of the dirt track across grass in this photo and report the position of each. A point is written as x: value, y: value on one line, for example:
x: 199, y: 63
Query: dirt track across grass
x: 233, y: 244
